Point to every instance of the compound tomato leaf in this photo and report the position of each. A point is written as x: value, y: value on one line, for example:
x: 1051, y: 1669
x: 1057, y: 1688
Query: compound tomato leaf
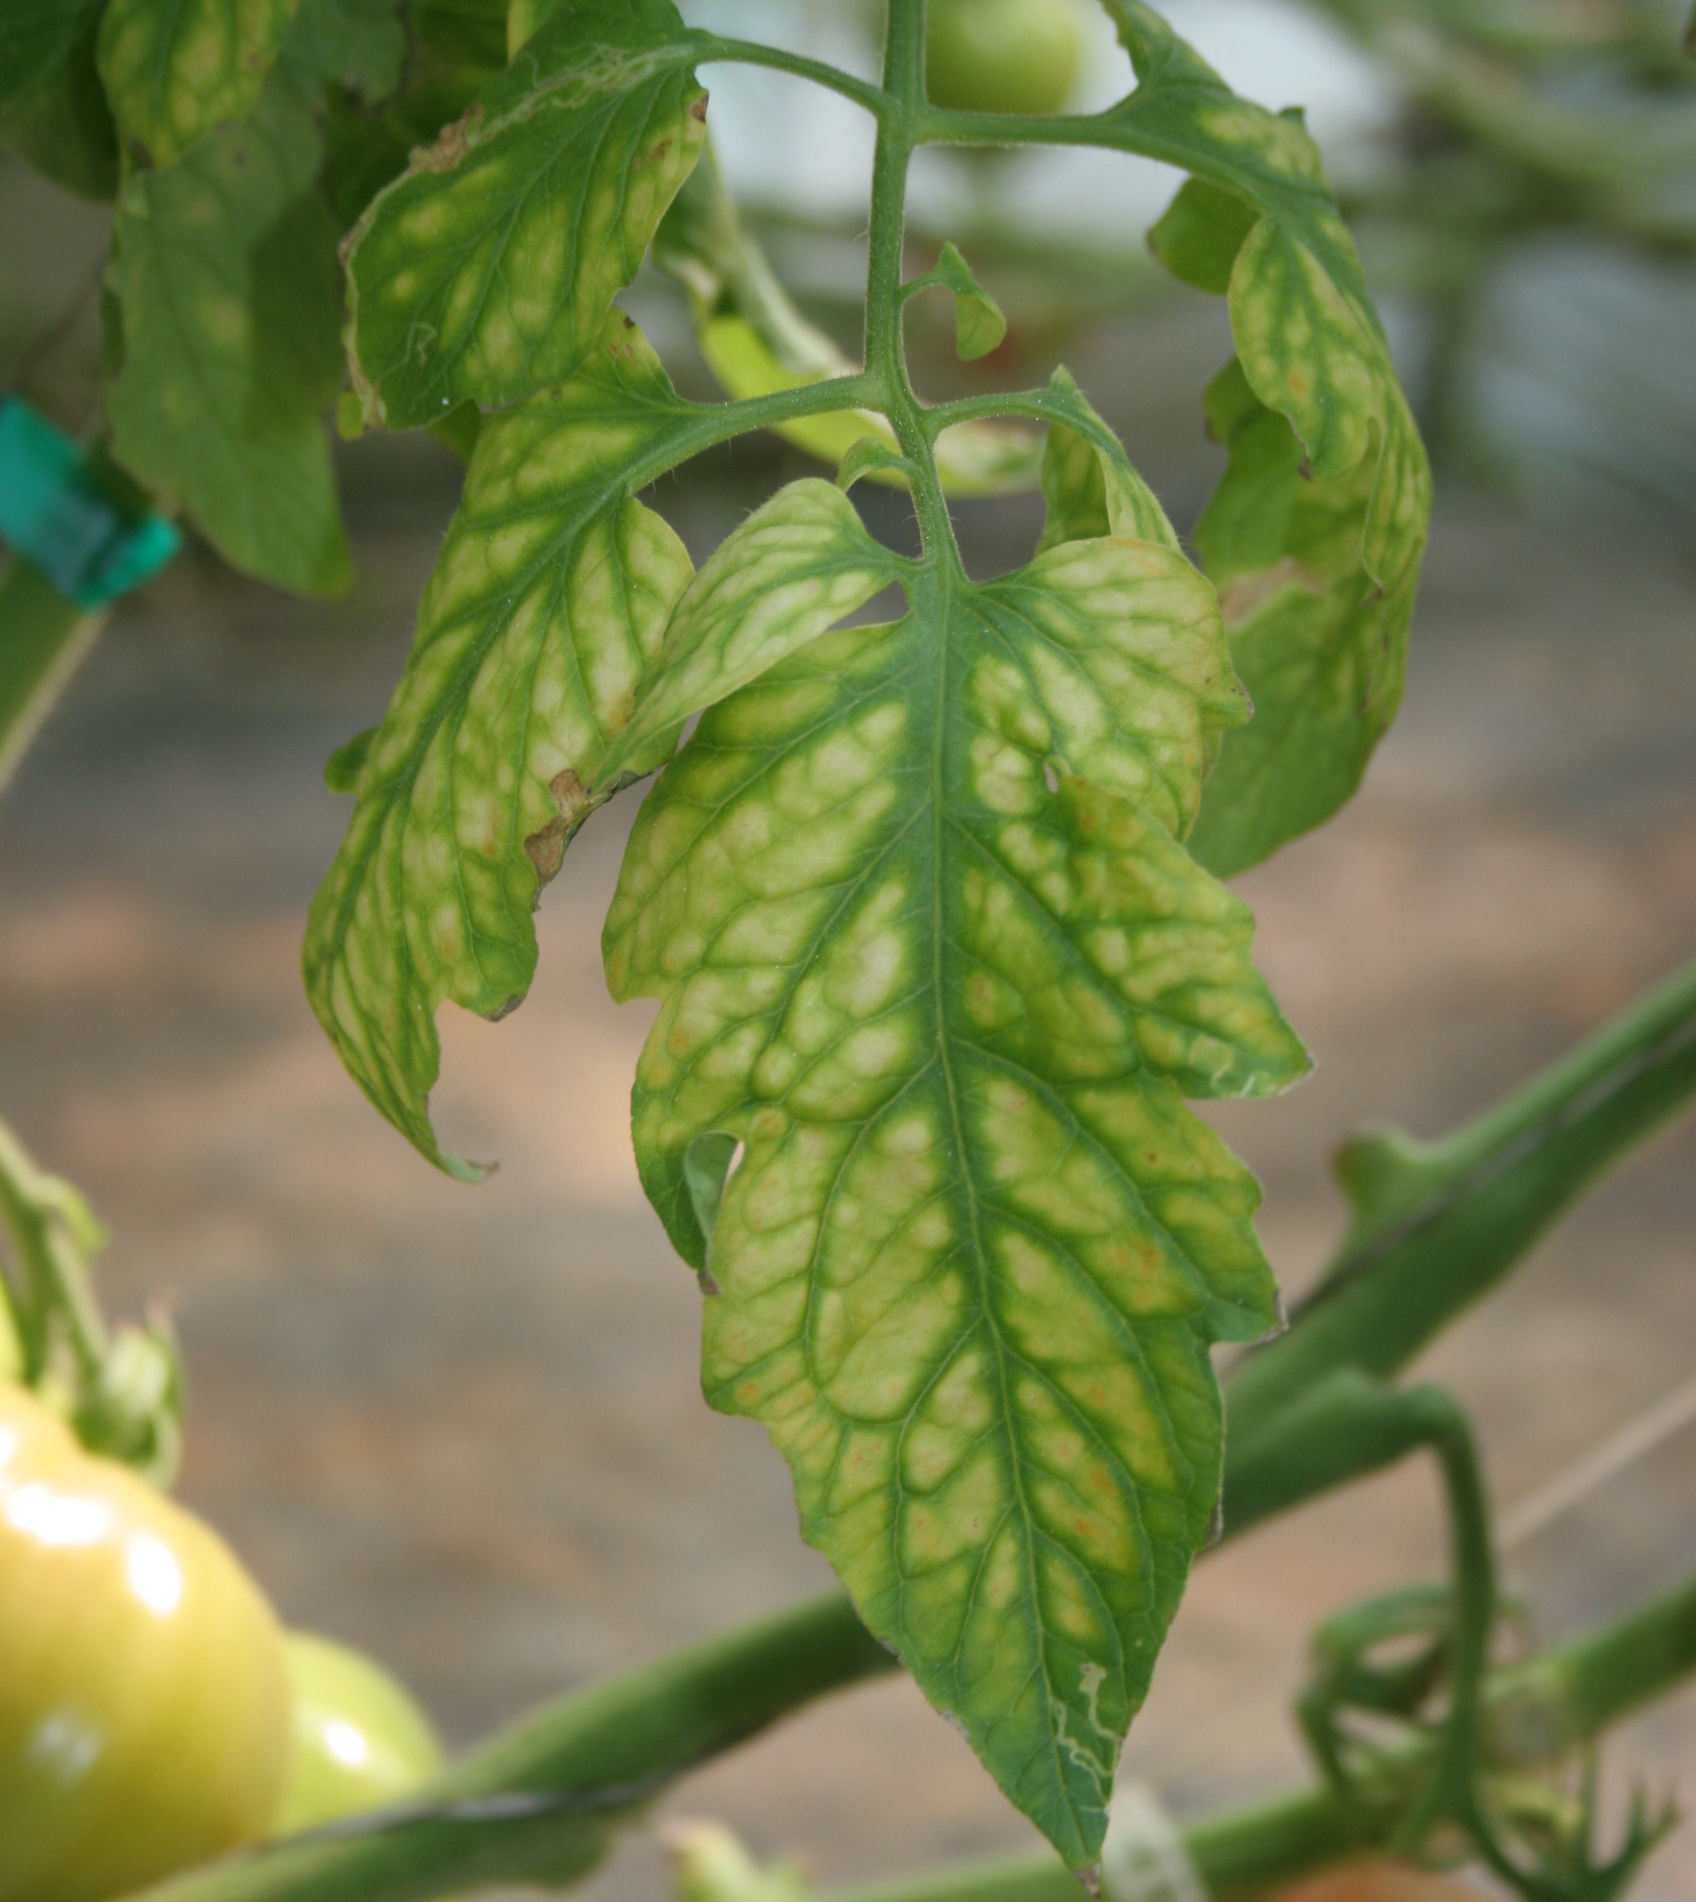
x: 485, y: 270
x: 1316, y: 579
x: 176, y: 70
x: 224, y: 306
x: 934, y: 977
x: 1259, y: 223
x: 561, y: 644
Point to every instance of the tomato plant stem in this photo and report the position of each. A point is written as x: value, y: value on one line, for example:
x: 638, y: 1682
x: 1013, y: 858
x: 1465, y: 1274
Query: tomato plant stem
x: 543, y: 1801
x: 1245, y: 1852
x: 1441, y: 1223
x: 777, y: 59
x: 46, y: 638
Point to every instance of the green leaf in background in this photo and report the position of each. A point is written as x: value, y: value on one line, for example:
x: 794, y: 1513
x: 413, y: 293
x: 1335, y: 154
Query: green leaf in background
x: 486, y: 269
x: 470, y: 32
x: 934, y: 977
x: 1322, y: 651
x: 356, y: 44
x: 176, y: 70
x: 456, y: 51
x: 223, y: 296
x: 53, y: 109
x: 546, y: 607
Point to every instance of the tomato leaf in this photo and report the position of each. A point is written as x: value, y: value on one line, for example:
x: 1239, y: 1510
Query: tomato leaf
x: 868, y: 456
x: 1322, y: 651
x: 979, y: 323
x: 486, y: 269
x: 1316, y: 578
x: 175, y: 70
x: 224, y: 316
x: 546, y: 606
x: 1088, y: 481
x: 53, y: 109
x: 930, y: 956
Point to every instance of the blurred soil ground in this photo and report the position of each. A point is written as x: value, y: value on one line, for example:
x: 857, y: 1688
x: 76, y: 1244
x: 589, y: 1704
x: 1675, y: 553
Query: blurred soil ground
x: 462, y: 1427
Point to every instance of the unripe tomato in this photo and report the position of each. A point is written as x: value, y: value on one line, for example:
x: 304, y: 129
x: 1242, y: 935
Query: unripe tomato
x: 1002, y: 55
x: 143, y: 1702
x: 360, y: 1740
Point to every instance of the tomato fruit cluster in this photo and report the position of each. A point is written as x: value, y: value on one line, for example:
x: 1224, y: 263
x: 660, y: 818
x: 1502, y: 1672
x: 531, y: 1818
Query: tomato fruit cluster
x: 144, y: 1716
x: 153, y: 1712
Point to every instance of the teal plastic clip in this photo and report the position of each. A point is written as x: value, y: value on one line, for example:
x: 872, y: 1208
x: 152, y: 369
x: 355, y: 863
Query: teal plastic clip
x: 55, y: 513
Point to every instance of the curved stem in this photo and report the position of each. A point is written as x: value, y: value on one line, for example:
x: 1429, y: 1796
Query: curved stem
x: 874, y: 99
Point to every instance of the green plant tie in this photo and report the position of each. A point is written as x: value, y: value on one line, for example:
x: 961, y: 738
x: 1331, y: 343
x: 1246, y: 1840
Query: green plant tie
x: 55, y: 513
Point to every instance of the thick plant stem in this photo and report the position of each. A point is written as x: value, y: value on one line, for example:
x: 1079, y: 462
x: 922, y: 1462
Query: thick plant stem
x: 1609, y: 1672
x: 1441, y: 1223
x: 1241, y: 1854
x: 542, y: 1802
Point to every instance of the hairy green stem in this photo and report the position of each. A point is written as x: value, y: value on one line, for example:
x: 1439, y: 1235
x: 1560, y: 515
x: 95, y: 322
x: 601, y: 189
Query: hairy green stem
x: 751, y: 53
x: 1444, y: 1222
x: 541, y: 1803
x: 886, y: 357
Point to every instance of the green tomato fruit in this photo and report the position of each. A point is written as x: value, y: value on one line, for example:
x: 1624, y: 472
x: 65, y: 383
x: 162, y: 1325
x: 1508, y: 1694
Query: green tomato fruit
x: 144, y: 1720
x: 360, y: 1741
x: 1002, y: 55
